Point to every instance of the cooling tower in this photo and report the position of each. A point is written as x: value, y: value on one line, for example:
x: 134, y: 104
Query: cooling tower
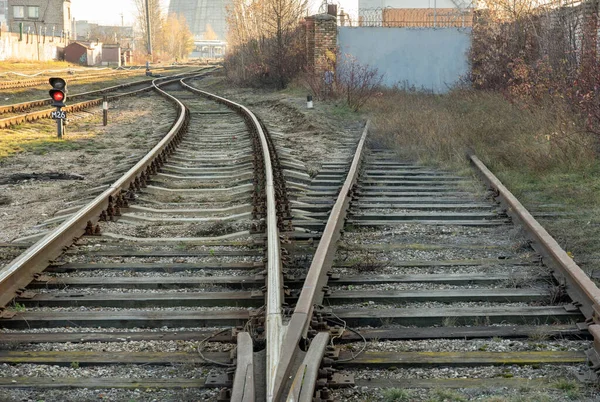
x: 203, y: 17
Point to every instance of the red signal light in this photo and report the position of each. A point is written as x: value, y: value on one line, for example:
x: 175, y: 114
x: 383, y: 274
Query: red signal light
x: 58, y: 93
x: 58, y: 96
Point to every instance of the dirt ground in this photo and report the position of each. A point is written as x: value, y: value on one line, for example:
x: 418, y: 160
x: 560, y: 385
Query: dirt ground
x: 89, y: 151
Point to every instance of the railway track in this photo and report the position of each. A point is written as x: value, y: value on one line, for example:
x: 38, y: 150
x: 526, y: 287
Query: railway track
x: 25, y: 112
x: 33, y: 82
x: 217, y: 268
x: 176, y: 240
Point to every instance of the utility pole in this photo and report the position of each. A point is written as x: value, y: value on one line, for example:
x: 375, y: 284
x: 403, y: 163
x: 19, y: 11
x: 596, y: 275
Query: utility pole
x: 148, y: 27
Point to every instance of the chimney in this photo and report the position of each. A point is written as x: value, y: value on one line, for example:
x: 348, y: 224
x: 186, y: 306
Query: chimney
x: 332, y: 9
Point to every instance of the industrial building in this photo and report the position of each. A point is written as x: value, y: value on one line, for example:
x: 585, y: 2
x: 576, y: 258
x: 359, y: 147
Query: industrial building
x: 206, y: 18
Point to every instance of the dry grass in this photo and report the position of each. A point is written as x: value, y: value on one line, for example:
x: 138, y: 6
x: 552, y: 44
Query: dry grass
x: 29, y: 67
x: 541, y: 154
x: 447, y: 127
x: 40, y: 138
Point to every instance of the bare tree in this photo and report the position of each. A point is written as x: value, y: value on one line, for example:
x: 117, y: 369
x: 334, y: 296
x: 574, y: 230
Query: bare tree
x: 263, y: 37
x: 156, y: 21
x: 171, y: 35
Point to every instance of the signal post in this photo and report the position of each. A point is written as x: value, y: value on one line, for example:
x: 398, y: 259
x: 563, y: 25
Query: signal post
x: 58, y: 94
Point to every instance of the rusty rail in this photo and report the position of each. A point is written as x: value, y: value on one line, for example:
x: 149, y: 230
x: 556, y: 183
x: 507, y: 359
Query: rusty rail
x: 312, y: 291
x: 22, y: 270
x: 305, y: 381
x: 243, y: 389
x: 274, y: 321
x: 40, y: 81
x: 580, y: 288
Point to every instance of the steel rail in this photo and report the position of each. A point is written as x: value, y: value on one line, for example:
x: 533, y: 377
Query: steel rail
x: 10, y: 121
x: 40, y: 81
x: 274, y: 314
x: 582, y: 290
x: 22, y: 270
x: 14, y: 120
x: 305, y: 381
x: 312, y: 291
x: 19, y: 107
x: 243, y: 389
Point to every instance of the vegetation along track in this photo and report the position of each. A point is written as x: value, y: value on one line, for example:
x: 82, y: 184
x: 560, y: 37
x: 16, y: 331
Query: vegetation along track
x: 24, y: 112
x: 416, y: 282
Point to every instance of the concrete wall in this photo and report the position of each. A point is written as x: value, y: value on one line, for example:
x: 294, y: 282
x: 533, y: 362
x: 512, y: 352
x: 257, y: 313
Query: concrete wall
x: 12, y: 48
x: 426, y: 58
x: 52, y: 13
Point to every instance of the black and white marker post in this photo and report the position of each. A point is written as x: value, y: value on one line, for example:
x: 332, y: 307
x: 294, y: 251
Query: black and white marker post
x: 309, y: 102
x: 105, y: 111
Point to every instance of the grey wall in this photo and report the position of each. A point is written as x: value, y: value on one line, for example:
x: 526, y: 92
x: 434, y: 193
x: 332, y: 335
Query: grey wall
x: 431, y: 59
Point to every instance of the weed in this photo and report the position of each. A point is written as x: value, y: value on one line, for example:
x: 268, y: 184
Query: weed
x: 75, y: 365
x: 181, y: 246
x: 366, y: 263
x: 484, y: 347
x: 446, y: 395
x: 538, y: 335
x: 19, y: 307
x: 397, y: 395
x: 449, y: 322
x: 566, y: 385
x: 570, y: 387
x: 557, y: 294
x: 574, y: 394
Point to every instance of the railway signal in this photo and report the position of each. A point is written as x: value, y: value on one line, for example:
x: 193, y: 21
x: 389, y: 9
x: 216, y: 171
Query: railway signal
x: 58, y: 94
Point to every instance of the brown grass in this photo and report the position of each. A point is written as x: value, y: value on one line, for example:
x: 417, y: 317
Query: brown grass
x: 434, y: 127
x: 29, y: 67
x: 541, y: 154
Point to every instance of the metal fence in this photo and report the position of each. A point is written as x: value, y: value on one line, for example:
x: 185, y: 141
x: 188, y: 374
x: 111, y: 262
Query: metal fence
x: 408, y: 18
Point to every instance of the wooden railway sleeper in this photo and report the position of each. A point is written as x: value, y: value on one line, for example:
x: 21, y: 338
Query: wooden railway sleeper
x: 7, y: 314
